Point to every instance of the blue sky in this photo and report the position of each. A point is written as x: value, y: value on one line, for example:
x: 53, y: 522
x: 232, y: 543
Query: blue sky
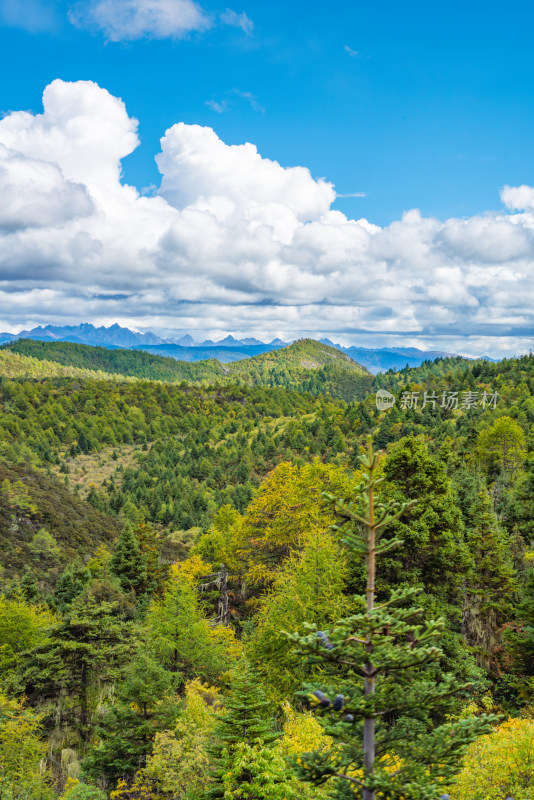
x: 419, y: 105
x: 406, y: 106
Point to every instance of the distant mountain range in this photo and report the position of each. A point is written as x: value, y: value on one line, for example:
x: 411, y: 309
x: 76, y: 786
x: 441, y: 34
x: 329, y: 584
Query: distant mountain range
x: 116, y: 336
x: 227, y: 350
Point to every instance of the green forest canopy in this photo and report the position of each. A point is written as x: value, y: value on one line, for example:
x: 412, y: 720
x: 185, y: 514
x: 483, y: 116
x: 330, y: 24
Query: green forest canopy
x: 120, y: 499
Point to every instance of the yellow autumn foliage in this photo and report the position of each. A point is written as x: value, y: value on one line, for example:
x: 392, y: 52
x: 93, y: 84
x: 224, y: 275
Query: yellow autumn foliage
x: 193, y: 568
x: 141, y: 788
x: 285, y: 513
x: 22, y: 749
x: 180, y: 763
x: 499, y: 765
x: 302, y: 733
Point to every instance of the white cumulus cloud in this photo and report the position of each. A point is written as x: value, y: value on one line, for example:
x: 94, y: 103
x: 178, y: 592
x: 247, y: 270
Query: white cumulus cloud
x: 518, y: 197
x: 36, y: 193
x: 196, y: 164
x: 236, y: 242
x: 84, y: 130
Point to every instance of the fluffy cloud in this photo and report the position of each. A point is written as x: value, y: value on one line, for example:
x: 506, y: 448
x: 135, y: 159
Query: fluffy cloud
x: 197, y: 166
x: 126, y: 20
x: 236, y: 242
x: 518, y: 197
x: 35, y: 193
x: 84, y: 130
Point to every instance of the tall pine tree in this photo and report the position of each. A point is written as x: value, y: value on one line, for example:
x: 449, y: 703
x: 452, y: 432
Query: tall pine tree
x: 373, y: 664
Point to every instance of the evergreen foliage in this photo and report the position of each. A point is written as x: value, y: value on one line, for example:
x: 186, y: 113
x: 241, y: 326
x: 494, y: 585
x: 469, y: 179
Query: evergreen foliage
x: 128, y: 563
x: 83, y: 653
x: 126, y: 731
x: 247, y: 723
x: 306, y: 365
x: 373, y: 676
x: 111, y: 637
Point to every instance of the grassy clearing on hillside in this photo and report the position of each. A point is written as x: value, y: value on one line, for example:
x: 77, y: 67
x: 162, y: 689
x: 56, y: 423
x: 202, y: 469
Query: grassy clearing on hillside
x: 92, y: 469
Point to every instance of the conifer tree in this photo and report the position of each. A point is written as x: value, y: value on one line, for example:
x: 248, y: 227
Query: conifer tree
x: 144, y: 705
x: 373, y: 664
x: 310, y: 587
x: 434, y: 552
x: 182, y: 639
x: 491, y: 586
x: 128, y: 563
x: 70, y: 585
x: 247, y: 721
x: 29, y: 588
x: 82, y: 653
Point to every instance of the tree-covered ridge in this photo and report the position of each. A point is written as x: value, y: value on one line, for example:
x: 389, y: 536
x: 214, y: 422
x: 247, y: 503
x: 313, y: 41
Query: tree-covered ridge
x: 134, y: 363
x: 39, y: 420
x: 305, y: 366
x: 459, y: 370
x: 307, y: 354
x: 18, y: 365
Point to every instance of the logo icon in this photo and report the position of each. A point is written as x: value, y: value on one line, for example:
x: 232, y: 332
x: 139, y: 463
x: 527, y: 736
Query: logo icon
x: 384, y: 400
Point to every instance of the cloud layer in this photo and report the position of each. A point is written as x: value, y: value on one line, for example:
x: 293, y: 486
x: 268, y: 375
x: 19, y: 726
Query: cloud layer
x: 127, y: 20
x: 234, y: 242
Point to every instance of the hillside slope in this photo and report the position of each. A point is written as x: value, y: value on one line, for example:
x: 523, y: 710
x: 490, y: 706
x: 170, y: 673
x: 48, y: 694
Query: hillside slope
x: 305, y: 365
x: 44, y: 526
x: 17, y: 365
x: 119, y: 361
x: 304, y: 354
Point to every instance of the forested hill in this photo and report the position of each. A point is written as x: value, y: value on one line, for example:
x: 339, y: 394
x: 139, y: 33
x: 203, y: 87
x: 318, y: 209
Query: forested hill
x: 305, y: 365
x: 446, y: 372
x: 120, y: 499
x: 119, y: 361
x: 304, y: 354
